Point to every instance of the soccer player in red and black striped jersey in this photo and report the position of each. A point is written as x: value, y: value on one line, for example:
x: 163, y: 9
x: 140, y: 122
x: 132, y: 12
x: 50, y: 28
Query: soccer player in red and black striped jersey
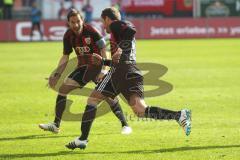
x: 131, y: 85
x: 88, y: 45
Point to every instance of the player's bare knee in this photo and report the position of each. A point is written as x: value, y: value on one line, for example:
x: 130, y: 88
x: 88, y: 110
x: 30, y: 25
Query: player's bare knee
x: 132, y: 102
x: 135, y: 100
x: 139, y: 113
x: 95, y: 98
x: 138, y: 106
x: 71, y: 83
x: 92, y: 101
x: 139, y: 110
x: 63, y: 91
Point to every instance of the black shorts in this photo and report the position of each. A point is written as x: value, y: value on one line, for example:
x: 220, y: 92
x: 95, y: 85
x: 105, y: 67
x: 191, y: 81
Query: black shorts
x: 84, y: 74
x: 123, y: 78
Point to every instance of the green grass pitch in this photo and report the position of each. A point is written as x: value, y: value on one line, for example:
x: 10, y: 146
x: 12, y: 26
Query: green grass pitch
x: 205, y: 75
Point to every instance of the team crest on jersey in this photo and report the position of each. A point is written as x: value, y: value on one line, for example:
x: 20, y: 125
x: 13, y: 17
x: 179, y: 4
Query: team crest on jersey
x: 87, y: 40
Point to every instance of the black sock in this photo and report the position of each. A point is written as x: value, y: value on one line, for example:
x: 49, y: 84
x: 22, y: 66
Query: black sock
x: 117, y: 110
x: 159, y: 113
x: 59, y: 109
x: 87, y: 119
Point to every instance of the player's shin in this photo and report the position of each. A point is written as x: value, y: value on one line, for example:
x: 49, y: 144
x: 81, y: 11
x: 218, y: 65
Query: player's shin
x: 160, y: 113
x: 117, y: 110
x: 59, y: 109
x: 87, y: 120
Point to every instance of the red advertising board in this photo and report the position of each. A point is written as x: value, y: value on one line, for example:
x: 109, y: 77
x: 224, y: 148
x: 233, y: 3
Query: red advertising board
x: 189, y: 28
x: 145, y: 6
x: 20, y: 30
x: 184, y: 5
x: 146, y: 29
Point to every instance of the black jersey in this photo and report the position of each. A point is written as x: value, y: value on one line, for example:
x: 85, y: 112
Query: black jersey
x: 124, y: 78
x: 122, y: 35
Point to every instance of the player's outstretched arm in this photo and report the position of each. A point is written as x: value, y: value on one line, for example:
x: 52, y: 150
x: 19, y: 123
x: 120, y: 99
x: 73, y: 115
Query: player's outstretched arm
x: 62, y: 63
x: 52, y: 81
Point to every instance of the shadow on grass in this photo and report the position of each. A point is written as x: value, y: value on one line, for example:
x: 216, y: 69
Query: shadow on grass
x: 45, y: 136
x: 38, y: 136
x: 79, y: 152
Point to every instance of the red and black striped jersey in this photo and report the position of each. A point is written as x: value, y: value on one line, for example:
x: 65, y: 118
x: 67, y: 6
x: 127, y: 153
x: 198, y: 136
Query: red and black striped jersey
x: 84, y: 44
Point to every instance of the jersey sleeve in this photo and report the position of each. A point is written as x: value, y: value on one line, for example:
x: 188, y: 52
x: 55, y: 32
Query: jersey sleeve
x: 96, y: 34
x: 98, y: 38
x: 128, y: 32
x: 67, y: 46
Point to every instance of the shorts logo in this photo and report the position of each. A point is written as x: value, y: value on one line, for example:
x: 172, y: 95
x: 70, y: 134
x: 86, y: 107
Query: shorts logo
x: 87, y: 40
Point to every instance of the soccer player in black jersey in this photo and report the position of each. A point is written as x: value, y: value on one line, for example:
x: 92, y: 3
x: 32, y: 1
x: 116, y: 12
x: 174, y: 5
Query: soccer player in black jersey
x: 87, y: 44
x: 125, y: 78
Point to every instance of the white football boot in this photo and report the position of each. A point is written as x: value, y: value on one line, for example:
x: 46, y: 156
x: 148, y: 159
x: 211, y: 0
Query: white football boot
x: 49, y: 127
x: 82, y: 144
x: 185, y: 121
x: 126, y: 130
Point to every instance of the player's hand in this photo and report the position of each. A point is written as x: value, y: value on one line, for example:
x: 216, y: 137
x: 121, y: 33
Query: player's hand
x: 96, y: 59
x: 53, y: 79
x: 117, y: 55
x: 100, y: 77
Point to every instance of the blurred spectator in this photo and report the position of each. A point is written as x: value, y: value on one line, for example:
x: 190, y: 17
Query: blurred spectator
x: 36, y: 20
x: 118, y: 6
x: 1, y: 9
x: 88, y: 10
x: 217, y: 9
x: 238, y: 7
x: 72, y: 5
x: 27, y: 2
x: 18, y: 4
x: 7, y: 9
x: 62, y: 13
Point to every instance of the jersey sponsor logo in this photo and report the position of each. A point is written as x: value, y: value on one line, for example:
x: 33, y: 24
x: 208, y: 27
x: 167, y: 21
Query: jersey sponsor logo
x: 82, y: 50
x: 87, y: 40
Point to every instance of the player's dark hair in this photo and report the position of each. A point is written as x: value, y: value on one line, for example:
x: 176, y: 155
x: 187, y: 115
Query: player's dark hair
x: 111, y: 13
x: 73, y: 12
